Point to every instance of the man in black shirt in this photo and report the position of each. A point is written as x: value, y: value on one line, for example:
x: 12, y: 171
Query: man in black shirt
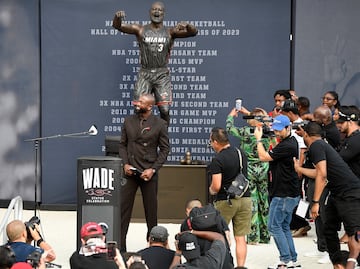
x: 223, y: 169
x: 283, y: 187
x: 343, y: 204
x: 323, y: 116
x: 220, y: 226
x: 188, y: 246
x: 158, y: 255
x: 331, y: 134
x: 348, y: 123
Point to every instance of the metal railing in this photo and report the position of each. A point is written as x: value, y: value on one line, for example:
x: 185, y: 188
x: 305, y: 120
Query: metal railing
x: 15, y: 205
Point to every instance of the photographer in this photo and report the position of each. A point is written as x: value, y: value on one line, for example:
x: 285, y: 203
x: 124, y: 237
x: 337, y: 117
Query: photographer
x: 7, y: 257
x: 93, y: 252
x: 283, y: 187
x: 257, y: 170
x: 20, y: 237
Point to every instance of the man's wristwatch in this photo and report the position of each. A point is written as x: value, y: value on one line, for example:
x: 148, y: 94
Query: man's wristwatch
x: 39, y: 242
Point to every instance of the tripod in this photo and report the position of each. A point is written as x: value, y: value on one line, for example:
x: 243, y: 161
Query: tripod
x: 91, y: 132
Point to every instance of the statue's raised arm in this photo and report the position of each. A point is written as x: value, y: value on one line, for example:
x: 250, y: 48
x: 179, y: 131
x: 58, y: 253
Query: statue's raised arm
x: 183, y: 29
x: 118, y: 23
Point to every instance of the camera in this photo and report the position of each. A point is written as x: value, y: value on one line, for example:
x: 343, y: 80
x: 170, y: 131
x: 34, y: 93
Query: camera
x: 31, y: 223
x: 296, y: 125
x: 34, y: 259
x: 267, y: 132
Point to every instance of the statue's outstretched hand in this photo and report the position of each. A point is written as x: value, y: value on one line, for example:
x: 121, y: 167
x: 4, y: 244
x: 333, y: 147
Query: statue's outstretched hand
x: 120, y: 14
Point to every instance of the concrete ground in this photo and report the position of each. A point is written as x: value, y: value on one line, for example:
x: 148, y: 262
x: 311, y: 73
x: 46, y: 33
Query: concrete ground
x: 59, y: 229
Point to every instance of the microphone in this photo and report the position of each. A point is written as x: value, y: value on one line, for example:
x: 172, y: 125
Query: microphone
x: 93, y: 130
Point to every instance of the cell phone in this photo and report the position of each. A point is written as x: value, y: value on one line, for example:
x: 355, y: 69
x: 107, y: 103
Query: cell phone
x: 137, y: 258
x: 238, y: 104
x: 357, y: 236
x: 111, y: 249
x: 136, y: 171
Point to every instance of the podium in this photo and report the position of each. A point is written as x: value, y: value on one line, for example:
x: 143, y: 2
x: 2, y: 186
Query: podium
x: 99, y: 180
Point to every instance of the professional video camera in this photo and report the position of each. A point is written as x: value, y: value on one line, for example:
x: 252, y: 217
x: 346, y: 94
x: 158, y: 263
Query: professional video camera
x: 267, y: 131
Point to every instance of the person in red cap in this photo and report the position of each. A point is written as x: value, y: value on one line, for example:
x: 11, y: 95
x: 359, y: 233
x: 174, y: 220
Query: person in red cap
x: 25, y: 265
x: 93, y: 251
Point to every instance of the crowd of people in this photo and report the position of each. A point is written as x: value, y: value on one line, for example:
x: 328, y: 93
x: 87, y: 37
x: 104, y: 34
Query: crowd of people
x: 288, y: 155
x: 285, y: 158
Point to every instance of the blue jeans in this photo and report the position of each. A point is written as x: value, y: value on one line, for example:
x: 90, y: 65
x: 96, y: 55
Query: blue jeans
x: 280, y: 213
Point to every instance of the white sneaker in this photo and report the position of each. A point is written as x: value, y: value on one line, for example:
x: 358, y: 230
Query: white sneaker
x: 278, y: 265
x: 293, y: 265
x: 325, y: 259
x: 315, y: 253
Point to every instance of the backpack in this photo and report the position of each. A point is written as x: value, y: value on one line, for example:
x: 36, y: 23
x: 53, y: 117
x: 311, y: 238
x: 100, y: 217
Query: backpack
x: 208, y: 218
x: 204, y: 218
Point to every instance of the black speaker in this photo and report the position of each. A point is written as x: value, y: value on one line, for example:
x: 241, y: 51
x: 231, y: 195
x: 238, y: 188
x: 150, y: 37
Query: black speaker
x: 98, y: 189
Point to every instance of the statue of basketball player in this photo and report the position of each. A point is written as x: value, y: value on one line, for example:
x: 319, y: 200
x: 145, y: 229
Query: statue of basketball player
x: 155, y: 43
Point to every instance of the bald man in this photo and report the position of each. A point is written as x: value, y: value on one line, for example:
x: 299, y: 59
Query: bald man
x: 18, y: 241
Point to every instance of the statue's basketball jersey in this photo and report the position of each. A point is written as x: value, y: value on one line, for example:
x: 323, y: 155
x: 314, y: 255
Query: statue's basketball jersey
x: 155, y: 46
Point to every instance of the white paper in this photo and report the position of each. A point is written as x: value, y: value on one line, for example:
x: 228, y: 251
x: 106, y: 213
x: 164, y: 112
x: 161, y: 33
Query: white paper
x: 302, y: 208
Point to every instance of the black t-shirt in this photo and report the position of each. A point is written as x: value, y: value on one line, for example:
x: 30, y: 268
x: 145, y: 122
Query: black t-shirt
x: 227, y: 163
x: 340, y: 177
x: 206, y: 244
x: 283, y: 179
x: 350, y: 152
x: 96, y: 261
x: 213, y: 259
x: 332, y: 135
x: 157, y: 257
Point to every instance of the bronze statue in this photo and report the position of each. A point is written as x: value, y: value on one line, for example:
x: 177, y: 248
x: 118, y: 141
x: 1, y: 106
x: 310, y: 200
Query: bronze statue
x: 155, y: 43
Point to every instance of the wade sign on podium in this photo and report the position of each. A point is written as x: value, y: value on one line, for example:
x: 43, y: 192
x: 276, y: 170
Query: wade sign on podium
x: 98, y: 188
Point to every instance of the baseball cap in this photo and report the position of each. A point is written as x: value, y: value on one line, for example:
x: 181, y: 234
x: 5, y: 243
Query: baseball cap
x: 159, y: 234
x: 280, y: 122
x: 189, y: 246
x: 21, y: 265
x: 347, y: 117
x: 90, y: 228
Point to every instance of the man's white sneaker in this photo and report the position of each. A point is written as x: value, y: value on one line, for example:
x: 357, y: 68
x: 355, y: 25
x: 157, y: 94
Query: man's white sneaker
x: 293, y: 265
x: 325, y: 259
x: 278, y: 265
x: 315, y: 253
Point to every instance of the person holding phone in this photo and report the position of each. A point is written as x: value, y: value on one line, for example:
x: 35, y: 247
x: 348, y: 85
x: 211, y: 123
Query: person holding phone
x: 94, y: 252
